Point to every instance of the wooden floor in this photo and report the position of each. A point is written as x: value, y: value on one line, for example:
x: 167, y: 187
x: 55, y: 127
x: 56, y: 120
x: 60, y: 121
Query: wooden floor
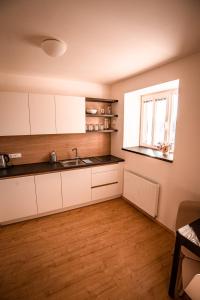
x: 104, y: 251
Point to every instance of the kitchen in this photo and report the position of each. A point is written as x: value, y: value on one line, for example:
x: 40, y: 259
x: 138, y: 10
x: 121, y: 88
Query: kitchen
x: 69, y: 194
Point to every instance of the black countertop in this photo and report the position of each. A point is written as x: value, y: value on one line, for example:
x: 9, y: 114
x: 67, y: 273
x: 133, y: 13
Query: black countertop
x: 46, y: 167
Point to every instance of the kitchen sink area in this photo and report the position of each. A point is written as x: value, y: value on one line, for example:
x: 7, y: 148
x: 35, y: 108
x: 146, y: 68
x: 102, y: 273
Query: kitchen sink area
x: 87, y: 161
x: 71, y: 162
x: 83, y: 161
x: 44, y: 167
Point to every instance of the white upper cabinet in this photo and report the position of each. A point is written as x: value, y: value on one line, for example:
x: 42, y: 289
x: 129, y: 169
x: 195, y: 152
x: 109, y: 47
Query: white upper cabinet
x: 14, y: 114
x: 23, y: 114
x: 70, y: 114
x: 42, y: 114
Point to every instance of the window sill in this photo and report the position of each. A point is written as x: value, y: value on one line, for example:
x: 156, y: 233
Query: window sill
x: 151, y: 153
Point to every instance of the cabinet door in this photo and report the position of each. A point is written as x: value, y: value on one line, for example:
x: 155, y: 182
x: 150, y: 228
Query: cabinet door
x: 48, y: 190
x: 18, y: 198
x: 76, y: 187
x: 70, y: 114
x: 14, y: 114
x: 42, y: 114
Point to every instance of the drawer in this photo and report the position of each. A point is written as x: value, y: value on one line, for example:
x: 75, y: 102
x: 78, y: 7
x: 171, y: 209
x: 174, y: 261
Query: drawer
x: 107, y: 191
x: 105, y: 174
x: 105, y: 177
x: 105, y: 168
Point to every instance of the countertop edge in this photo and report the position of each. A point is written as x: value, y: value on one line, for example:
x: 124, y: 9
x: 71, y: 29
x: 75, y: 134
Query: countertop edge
x: 45, y: 168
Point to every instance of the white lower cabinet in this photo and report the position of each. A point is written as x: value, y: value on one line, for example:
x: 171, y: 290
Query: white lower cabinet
x: 76, y: 187
x: 105, y: 174
x: 48, y: 191
x: 106, y: 191
x: 17, y: 198
x: 32, y: 195
x: 107, y: 181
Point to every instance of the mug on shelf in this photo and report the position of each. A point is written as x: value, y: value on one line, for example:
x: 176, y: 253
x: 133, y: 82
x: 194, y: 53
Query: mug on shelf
x: 90, y: 127
x: 102, y: 111
x: 109, y: 110
x: 96, y: 127
x: 101, y: 127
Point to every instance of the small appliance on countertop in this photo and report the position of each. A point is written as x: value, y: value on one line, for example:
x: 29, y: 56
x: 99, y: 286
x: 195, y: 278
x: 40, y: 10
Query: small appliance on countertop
x: 53, y: 157
x: 4, y: 160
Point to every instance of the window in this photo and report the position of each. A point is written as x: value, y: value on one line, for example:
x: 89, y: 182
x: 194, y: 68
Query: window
x: 150, y: 120
x: 158, y: 119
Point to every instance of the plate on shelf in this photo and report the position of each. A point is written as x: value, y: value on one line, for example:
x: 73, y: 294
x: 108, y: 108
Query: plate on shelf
x: 92, y: 111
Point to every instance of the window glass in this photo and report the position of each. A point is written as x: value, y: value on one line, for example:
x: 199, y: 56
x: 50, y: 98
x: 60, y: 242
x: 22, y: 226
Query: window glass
x: 160, y: 121
x: 174, y: 110
x: 147, y: 122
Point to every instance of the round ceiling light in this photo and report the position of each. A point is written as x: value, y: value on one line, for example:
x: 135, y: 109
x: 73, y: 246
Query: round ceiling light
x: 54, y: 47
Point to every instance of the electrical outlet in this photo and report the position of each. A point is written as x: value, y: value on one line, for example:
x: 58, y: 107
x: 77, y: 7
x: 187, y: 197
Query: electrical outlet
x: 15, y: 155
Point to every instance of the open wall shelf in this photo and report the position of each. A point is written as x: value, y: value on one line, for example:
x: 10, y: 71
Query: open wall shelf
x: 103, y: 131
x: 101, y: 104
x: 87, y: 99
x: 101, y: 116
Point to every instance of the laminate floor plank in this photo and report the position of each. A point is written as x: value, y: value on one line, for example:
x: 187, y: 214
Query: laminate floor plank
x: 106, y: 251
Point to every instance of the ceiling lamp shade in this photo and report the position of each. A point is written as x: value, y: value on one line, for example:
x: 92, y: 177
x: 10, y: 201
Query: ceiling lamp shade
x: 53, y: 47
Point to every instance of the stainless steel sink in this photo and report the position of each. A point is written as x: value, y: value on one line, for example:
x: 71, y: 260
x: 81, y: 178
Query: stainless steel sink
x: 71, y: 162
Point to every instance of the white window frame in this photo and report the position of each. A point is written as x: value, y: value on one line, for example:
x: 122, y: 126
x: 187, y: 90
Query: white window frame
x: 154, y: 97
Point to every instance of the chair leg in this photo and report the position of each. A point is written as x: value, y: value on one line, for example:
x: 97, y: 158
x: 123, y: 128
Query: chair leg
x: 179, y: 283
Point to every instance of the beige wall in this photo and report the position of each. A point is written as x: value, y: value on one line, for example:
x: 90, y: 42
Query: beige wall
x: 179, y: 180
x: 51, y: 85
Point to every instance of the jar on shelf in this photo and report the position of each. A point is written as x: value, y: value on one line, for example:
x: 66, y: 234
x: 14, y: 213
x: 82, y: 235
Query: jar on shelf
x: 114, y: 124
x: 90, y: 127
x: 109, y: 110
x: 101, y: 127
x: 96, y: 127
x: 106, y: 123
x: 102, y: 111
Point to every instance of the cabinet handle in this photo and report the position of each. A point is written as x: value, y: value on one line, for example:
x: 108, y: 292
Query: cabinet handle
x: 96, y: 186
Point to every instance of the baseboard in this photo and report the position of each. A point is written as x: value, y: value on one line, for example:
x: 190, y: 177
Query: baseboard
x: 148, y: 216
x: 58, y: 210
x: 83, y: 205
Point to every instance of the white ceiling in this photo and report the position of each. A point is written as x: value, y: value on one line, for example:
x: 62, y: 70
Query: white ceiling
x: 107, y: 39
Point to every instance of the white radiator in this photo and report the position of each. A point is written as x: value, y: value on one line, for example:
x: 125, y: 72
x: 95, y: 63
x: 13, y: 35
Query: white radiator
x: 141, y: 192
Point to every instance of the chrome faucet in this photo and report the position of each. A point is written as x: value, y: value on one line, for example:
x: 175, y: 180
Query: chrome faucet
x: 76, y: 152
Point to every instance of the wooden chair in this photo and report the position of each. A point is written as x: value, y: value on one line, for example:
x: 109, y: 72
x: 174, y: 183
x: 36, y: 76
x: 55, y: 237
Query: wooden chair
x: 188, y: 212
